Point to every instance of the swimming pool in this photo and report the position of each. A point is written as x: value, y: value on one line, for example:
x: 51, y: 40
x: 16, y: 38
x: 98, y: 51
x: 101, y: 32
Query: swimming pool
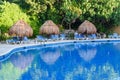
x: 63, y: 61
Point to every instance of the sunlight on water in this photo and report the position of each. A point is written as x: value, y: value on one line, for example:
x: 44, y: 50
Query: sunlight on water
x: 105, y: 72
x: 9, y: 72
x: 73, y: 61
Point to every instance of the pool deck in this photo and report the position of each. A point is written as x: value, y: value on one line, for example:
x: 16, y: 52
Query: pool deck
x: 6, y: 48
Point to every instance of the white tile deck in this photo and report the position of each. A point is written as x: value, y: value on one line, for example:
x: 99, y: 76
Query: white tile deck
x: 5, y: 48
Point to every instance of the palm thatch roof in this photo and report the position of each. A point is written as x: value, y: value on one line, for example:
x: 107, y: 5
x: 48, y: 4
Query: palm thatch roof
x: 49, y: 28
x: 87, y: 27
x: 21, y: 29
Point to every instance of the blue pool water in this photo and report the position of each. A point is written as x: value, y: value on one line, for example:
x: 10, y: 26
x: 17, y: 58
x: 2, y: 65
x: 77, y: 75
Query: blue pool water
x: 64, y: 61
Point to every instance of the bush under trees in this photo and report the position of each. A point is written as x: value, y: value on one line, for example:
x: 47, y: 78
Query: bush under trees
x: 68, y: 13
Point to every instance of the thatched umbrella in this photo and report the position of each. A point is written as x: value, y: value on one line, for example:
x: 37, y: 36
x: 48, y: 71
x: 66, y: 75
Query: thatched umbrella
x: 49, y: 28
x: 87, y: 28
x: 21, y: 29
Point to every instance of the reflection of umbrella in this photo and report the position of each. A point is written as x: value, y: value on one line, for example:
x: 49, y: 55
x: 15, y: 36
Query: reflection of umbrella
x: 50, y: 56
x: 21, y: 29
x: 87, y: 27
x: 22, y: 61
x: 87, y: 54
x: 49, y: 28
x: 69, y: 47
x: 116, y: 45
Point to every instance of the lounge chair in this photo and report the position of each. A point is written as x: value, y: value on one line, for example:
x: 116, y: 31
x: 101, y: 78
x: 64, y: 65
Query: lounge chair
x: 62, y: 36
x: 40, y: 38
x: 81, y: 36
x: 13, y: 40
x: 114, y: 35
x: 92, y: 36
x: 76, y: 36
x: 25, y: 40
x: 109, y: 36
x: 54, y: 37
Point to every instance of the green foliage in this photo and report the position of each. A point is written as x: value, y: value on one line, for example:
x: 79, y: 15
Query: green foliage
x: 99, y: 12
x: 34, y: 22
x: 9, y: 14
x: 61, y: 28
x: 40, y: 11
x: 102, y: 7
x: 116, y: 15
x: 102, y: 13
x: 71, y: 11
x: 35, y: 7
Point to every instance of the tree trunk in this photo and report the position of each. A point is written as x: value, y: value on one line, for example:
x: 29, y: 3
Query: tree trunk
x: 70, y: 26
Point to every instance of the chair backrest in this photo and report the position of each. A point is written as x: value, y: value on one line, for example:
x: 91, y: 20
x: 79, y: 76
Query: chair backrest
x: 76, y: 35
x: 81, y: 36
x: 62, y: 35
x: 94, y: 35
x: 115, y: 35
x: 15, y: 38
x: 89, y: 36
x: 39, y: 37
x: 25, y: 38
x: 54, y: 37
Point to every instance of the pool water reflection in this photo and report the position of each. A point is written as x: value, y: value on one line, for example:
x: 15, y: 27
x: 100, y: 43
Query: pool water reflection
x: 72, y: 61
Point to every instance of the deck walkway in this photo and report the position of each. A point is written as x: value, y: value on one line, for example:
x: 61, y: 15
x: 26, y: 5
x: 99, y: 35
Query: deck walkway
x: 6, y: 48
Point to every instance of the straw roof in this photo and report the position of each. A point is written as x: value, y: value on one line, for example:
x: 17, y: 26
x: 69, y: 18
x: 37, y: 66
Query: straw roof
x: 87, y: 27
x: 49, y: 28
x: 21, y: 29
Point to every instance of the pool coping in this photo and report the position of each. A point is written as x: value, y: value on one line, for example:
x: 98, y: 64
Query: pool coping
x: 7, y: 48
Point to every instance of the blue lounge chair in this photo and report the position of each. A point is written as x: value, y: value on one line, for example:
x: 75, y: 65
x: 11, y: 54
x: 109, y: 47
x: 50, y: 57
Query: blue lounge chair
x: 81, y: 36
x: 40, y: 38
x: 92, y: 36
x: 76, y: 36
x: 109, y: 36
x: 25, y: 40
x: 57, y: 37
x: 62, y: 36
x: 54, y: 37
x: 13, y: 40
x: 115, y: 35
